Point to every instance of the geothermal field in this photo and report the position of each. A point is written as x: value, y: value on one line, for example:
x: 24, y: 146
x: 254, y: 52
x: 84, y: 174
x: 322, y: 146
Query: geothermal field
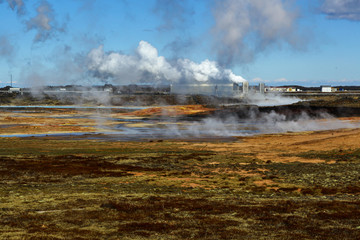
x: 195, y: 170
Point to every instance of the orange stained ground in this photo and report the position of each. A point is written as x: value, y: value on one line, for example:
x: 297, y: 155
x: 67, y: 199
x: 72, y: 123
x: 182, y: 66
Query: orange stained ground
x: 172, y: 110
x: 284, y: 147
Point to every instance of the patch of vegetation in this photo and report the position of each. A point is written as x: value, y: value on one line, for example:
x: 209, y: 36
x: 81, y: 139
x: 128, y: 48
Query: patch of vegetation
x: 180, y: 217
x: 65, y: 189
x: 349, y: 155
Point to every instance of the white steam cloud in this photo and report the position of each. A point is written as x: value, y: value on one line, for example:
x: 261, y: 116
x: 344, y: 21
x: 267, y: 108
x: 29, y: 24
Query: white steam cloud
x: 245, y: 27
x: 122, y: 68
x: 147, y: 66
x: 230, y: 126
x: 44, y: 23
x: 264, y: 123
x: 271, y: 99
x: 342, y: 9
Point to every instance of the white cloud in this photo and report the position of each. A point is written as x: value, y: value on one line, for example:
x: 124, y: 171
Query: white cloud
x: 282, y: 80
x: 342, y: 9
x: 259, y: 80
x: 274, y: 81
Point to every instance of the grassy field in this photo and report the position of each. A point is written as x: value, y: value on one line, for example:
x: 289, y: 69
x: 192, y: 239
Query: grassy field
x: 85, y: 189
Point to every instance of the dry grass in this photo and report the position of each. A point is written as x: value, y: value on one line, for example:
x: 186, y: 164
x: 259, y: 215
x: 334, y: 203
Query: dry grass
x: 64, y: 189
x: 277, y: 186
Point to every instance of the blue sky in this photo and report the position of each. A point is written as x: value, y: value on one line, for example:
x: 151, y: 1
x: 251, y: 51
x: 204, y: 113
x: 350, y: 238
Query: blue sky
x: 279, y: 42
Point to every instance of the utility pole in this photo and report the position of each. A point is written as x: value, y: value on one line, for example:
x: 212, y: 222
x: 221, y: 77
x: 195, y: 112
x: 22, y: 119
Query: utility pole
x: 10, y: 80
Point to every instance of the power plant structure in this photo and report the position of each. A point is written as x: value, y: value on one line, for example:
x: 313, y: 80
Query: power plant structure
x: 232, y: 90
x: 220, y: 90
x: 245, y: 88
x: 262, y: 88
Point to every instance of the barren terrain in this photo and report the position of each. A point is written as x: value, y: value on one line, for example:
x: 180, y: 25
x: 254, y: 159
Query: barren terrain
x: 294, y: 185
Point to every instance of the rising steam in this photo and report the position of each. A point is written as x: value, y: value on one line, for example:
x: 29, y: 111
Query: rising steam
x: 16, y: 4
x: 231, y: 126
x: 44, y: 23
x: 174, y: 13
x: 147, y: 66
x: 6, y: 48
x: 243, y: 28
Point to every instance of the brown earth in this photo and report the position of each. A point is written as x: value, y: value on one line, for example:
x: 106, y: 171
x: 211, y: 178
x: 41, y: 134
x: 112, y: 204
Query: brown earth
x: 278, y: 147
x: 278, y: 186
x: 62, y: 120
x: 42, y: 122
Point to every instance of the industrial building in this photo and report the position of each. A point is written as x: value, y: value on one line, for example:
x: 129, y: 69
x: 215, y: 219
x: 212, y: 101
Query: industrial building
x: 262, y: 88
x: 327, y: 88
x: 221, y: 90
x: 283, y: 89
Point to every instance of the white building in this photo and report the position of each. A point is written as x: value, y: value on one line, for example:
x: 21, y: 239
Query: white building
x: 327, y: 88
x: 13, y: 89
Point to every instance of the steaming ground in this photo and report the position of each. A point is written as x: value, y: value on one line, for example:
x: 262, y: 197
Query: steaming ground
x: 231, y: 126
x: 172, y: 122
x: 271, y: 99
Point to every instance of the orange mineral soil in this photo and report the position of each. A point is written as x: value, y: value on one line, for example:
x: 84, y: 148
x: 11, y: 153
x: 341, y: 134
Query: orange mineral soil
x: 284, y: 147
x: 44, y: 122
x: 172, y: 110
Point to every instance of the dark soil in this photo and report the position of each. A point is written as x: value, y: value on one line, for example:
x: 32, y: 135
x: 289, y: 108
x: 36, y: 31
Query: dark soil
x: 64, y: 189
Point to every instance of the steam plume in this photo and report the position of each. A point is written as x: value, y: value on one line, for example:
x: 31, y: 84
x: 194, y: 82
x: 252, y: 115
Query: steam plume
x: 173, y: 13
x: 134, y: 68
x: 147, y: 66
x: 6, y: 48
x: 180, y: 46
x: 245, y: 27
x: 66, y: 68
x: 44, y: 23
x: 176, y: 17
x: 87, y: 5
x: 18, y: 4
x: 344, y: 9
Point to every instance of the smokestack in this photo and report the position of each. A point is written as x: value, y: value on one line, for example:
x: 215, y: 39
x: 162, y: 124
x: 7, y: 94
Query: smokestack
x: 245, y: 87
x: 262, y: 88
